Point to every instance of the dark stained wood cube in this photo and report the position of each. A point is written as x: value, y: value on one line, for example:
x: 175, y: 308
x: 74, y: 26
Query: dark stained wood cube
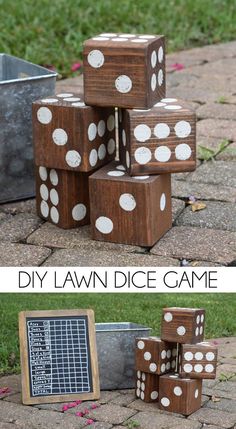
x: 198, y: 360
x: 130, y: 210
x: 158, y: 140
x: 124, y: 70
x: 147, y: 386
x: 179, y: 395
x: 69, y: 135
x: 152, y: 355
x: 183, y: 325
x: 62, y: 197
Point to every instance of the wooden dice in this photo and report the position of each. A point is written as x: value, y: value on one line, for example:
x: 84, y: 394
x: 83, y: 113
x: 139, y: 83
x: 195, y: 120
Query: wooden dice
x: 125, y: 70
x: 179, y: 395
x: 183, y: 325
x: 159, y: 140
x: 147, y: 386
x: 62, y: 197
x: 69, y: 135
x: 130, y: 210
x: 155, y: 356
x: 198, y: 360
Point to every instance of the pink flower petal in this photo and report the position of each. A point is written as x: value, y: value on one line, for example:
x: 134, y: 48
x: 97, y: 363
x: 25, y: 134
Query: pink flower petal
x: 78, y: 402
x: 89, y: 421
x: 177, y: 66
x: 79, y: 414
x: 4, y: 390
x: 65, y: 408
x: 75, y: 67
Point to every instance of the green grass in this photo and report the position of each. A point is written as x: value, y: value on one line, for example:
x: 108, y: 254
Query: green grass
x: 139, y: 308
x: 52, y: 31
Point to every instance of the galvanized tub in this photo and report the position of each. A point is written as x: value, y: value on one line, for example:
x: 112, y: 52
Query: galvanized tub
x: 116, y: 353
x: 21, y: 83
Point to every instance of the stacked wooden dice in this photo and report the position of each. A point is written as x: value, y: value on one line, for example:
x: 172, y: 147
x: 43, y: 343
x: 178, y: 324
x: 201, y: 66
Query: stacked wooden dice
x: 170, y: 369
x: 75, y: 136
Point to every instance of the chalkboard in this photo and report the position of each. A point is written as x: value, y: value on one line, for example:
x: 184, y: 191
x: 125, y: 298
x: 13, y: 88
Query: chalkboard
x: 58, y: 356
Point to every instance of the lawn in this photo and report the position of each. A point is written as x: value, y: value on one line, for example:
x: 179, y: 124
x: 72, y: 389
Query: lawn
x: 51, y: 32
x: 140, y: 308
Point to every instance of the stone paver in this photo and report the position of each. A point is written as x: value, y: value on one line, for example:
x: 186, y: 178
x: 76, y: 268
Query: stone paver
x: 51, y: 236
x: 18, y: 228
x: 207, y: 81
x: 111, y: 413
x: 216, y: 173
x: 203, y: 191
x: 189, y: 242
x: 216, y: 215
x: 119, y: 408
x: 83, y: 257
x: 15, y: 254
x: 215, y: 417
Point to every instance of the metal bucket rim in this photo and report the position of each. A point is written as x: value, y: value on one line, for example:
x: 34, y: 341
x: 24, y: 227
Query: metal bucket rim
x: 49, y: 74
x: 137, y: 328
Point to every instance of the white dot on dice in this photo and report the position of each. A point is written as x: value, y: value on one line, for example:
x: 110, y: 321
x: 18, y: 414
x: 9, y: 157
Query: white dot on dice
x: 165, y: 402
x: 182, y: 129
x: 181, y: 330
x: 101, y: 128
x: 163, y: 202
x: 183, y: 152
x: 111, y: 146
x: 53, y: 177
x: 54, y: 197
x: 93, y: 157
x: 60, y: 137
x: 140, y: 345
x: 209, y: 368
x: 54, y: 214
x: 154, y: 395
x: 142, y: 155
x: 168, y: 317
x: 44, y: 208
x: 43, y: 173
x: 162, y: 154
x: 142, y: 132
x: 161, y: 130
x: 210, y: 356
x: 116, y: 173
x: 188, y: 356
x: 101, y: 151
x: 92, y: 131
x: 44, y: 115
x: 153, y: 82
x: 96, y: 58
x: 104, y: 225
x: 79, y: 212
x: 147, y: 356
x: 127, y: 202
x: 73, y: 158
x: 178, y: 391
x: 44, y: 192
x: 188, y: 367
x: 123, y: 84
x: 152, y: 367
x: 153, y: 59
x: 111, y: 123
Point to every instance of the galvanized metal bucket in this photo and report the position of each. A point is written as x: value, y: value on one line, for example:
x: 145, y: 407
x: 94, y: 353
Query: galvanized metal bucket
x: 116, y: 353
x: 21, y: 83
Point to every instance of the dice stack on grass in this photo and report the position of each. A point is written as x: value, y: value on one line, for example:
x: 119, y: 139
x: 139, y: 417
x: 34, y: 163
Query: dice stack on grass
x: 75, y: 141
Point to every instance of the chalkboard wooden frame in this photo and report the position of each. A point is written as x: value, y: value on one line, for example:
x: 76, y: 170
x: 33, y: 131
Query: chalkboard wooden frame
x: 27, y: 397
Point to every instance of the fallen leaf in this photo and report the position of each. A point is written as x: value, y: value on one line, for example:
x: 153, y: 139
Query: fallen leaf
x: 198, y: 205
x: 215, y: 399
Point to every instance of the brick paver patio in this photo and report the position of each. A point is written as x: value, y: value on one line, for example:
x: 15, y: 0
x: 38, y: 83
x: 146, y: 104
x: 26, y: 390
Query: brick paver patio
x: 120, y: 409
x: 207, y: 237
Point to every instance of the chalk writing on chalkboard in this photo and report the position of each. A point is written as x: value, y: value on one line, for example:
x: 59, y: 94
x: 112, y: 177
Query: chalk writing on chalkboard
x: 58, y: 356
